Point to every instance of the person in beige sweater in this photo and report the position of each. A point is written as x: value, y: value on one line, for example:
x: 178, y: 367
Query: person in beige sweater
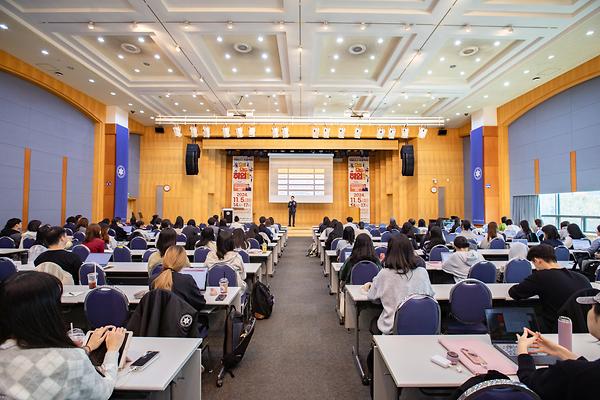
x: 226, y: 254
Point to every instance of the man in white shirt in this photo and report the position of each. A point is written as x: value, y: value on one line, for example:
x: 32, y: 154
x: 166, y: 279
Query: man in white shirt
x: 349, y: 222
x: 466, y: 230
x: 236, y: 224
x: 563, y: 230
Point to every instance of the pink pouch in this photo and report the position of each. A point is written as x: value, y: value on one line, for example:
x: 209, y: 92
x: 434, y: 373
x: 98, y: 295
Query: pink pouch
x: 492, y: 357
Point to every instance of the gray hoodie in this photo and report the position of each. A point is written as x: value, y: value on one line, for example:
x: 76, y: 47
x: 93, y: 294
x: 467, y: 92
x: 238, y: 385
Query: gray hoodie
x: 460, y: 262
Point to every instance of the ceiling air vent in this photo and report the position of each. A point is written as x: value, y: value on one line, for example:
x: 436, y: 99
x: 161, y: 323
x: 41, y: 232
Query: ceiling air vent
x: 469, y: 51
x: 357, y: 48
x: 130, y: 48
x: 242, y: 47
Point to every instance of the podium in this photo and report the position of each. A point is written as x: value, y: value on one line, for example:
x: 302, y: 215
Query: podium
x: 228, y: 215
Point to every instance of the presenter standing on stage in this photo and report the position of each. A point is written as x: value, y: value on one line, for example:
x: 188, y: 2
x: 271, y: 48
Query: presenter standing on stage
x: 292, y: 212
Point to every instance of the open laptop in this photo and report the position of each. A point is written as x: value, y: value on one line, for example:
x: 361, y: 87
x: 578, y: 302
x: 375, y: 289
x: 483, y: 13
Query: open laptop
x: 504, y: 323
x: 524, y: 241
x: 128, y: 229
x: 581, y: 244
x: 445, y: 255
x: 101, y: 259
x: 199, y: 275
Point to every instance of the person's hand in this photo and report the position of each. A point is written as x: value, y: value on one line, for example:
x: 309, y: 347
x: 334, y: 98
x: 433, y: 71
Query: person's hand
x: 114, y: 339
x: 97, y: 338
x: 366, y: 287
x: 525, y: 341
x: 543, y: 345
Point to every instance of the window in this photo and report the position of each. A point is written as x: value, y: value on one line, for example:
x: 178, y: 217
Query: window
x: 581, y: 208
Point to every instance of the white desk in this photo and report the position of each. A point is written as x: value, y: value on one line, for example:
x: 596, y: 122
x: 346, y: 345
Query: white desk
x: 392, y: 372
x: 8, y: 252
x: 500, y: 265
x: 179, y: 361
x: 265, y: 258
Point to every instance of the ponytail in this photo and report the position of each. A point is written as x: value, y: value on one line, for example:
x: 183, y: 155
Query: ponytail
x: 164, y: 280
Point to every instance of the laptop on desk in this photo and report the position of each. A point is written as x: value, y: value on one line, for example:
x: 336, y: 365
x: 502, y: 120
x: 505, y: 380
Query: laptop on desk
x: 101, y: 259
x: 524, y: 241
x: 199, y: 274
x: 581, y: 244
x: 504, y: 323
x: 445, y: 255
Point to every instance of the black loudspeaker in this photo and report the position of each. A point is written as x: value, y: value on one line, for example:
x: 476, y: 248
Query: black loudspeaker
x: 442, y: 132
x: 192, y: 154
x: 228, y: 215
x: 408, y: 160
x: 159, y: 129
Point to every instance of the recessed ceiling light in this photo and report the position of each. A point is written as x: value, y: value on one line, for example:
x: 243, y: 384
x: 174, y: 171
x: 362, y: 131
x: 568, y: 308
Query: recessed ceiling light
x: 405, y: 96
x: 366, y: 71
x: 363, y: 26
x: 234, y: 70
x: 208, y: 110
x: 393, y: 111
x: 113, y: 94
x: 45, y: 52
x: 230, y: 25
x: 477, y: 59
x: 447, y: 119
x: 137, y: 70
x: 276, y: 103
x: 219, y: 39
x: 526, y: 71
x: 194, y: 95
x: 264, y: 56
x: 332, y: 70
x: 152, y: 117
x: 325, y: 25
x: 372, y: 57
x: 467, y: 28
x: 121, y: 56
x: 5, y: 27
x: 130, y: 104
x: 91, y: 80
x: 429, y: 72
x: 277, y: 110
x: 184, y: 110
x: 399, y: 105
x: 91, y: 26
x: 497, y: 43
x: 551, y: 56
x: 227, y: 56
x: 457, y: 42
x: 457, y: 113
x: 260, y: 38
x: 468, y: 106
x: 157, y: 56
x: 416, y: 111
x: 339, y: 40
x: 100, y: 39
x: 268, y: 70
x: 170, y: 70
x: 141, y: 39
x: 168, y: 95
x: 507, y: 83
x: 176, y: 103
x: 336, y: 57
x: 201, y: 103
x: 323, y: 110
x: 442, y: 59
x: 324, y: 103
x: 462, y: 73
x: 423, y: 105
x: 485, y: 96
x: 250, y: 103
x: 246, y: 95
x: 141, y: 111
x: 380, y: 40
x: 588, y: 33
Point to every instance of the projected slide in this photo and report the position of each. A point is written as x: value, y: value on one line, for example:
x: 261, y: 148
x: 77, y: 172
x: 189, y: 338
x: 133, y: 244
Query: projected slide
x: 307, y: 177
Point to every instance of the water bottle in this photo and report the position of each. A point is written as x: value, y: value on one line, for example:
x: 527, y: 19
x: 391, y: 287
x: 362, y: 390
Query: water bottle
x: 565, y: 332
x: 223, y: 285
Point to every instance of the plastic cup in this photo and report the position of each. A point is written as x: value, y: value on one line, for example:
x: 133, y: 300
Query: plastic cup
x: 223, y: 285
x: 92, y: 280
x: 77, y: 336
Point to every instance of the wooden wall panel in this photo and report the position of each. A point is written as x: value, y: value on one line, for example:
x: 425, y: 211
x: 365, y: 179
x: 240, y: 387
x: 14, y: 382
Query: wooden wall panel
x: 63, y: 198
x: 26, y: 184
x: 573, y: 167
x: 490, y: 173
x: 109, y: 170
x: 536, y: 175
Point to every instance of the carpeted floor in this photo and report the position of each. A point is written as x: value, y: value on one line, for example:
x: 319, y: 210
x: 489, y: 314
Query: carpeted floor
x: 301, y: 352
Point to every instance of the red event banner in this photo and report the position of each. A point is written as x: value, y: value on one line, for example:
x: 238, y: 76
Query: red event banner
x: 241, y: 185
x: 358, y: 186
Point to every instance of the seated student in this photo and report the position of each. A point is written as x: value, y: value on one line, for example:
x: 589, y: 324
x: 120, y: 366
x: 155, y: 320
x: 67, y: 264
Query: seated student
x: 593, y: 252
x: 350, y: 223
x: 518, y: 250
x: 526, y: 233
x: 552, y: 283
x: 178, y: 223
x: 455, y: 225
x: 422, y: 226
x: 413, y: 223
x: 362, y: 229
x: 110, y: 243
x: 347, y: 239
x: 239, y: 239
x: 184, y: 286
x: 511, y: 227
x: 138, y: 230
x: 363, y: 250
x: 538, y: 225
x: 563, y: 229
x: 226, y: 254
x: 190, y: 229
x: 93, y: 239
x: 38, y: 360
x: 32, y: 228
x: 393, y: 225
x: 323, y: 225
x: 254, y: 234
x: 327, y: 230
x: 273, y: 225
x: 502, y: 226
x: 120, y: 234
x: 223, y: 225
x: 337, y: 232
x: 466, y: 231
x: 573, y: 233
x: 41, y: 244
x: 407, y: 230
x: 212, y: 224
x: 206, y: 239
x: 573, y: 377
x: 71, y: 223
x: 492, y: 233
x: 461, y: 260
x: 401, y: 276
x: 165, y: 223
x: 551, y: 236
x: 56, y: 238
x: 236, y: 224
x: 263, y: 228
x: 82, y: 224
x: 435, y: 238
x: 12, y: 229
x: 167, y: 238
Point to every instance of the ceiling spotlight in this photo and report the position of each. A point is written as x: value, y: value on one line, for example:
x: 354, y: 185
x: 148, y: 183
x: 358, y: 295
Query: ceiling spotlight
x: 509, y: 29
x: 91, y: 80
x: 469, y: 107
x: 551, y: 56
x: 275, y: 132
x: 227, y: 56
x: 404, y: 133
x: 380, y: 133
x: 178, y: 48
x: 507, y: 83
x: 477, y: 59
x: 157, y: 56
x: 380, y: 40
x: 357, y: 132
x: 588, y: 33
x: 336, y: 57
x: 234, y: 70
x: 407, y: 27
x: 442, y: 59
x: 526, y: 71
x: 462, y: 73
x: 168, y: 95
x: 230, y: 25
x: 332, y: 70
x: 219, y: 39
x: 405, y: 96
x: 137, y: 70
x: 366, y: 71
x: 186, y: 25
x: 193, y: 131
x: 457, y: 42
x: 467, y: 28
x: 151, y: 117
x: 194, y: 95
x: 277, y: 110
x: 113, y: 94
x: 315, y: 132
x: 496, y: 43
x: 281, y: 25
x: 250, y: 103
x: 485, y: 96
x: 121, y: 56
x: 100, y: 39
x: 326, y: 131
x: 5, y: 27
x: 264, y: 56
x: 371, y: 57
x: 457, y: 113
x: 252, y: 131
x: 130, y: 104
x: 341, y: 132
x: 226, y: 132
x: 141, y: 39
x: 184, y: 110
x: 325, y: 25
x: 170, y: 70
x: 260, y: 38
x: 206, y: 131
x: 45, y: 52
x: 429, y: 72
x: 239, y: 132
x: 391, y: 132
x: 363, y: 26
x: 285, y: 132
x: 91, y: 26
x: 422, y: 133
x: 177, y: 131
x: 246, y: 95
x: 339, y: 40
x: 176, y: 103
x: 207, y: 110
x: 300, y: 49
x: 268, y: 70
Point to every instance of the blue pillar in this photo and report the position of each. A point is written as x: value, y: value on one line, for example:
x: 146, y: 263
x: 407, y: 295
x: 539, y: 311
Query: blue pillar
x: 121, y: 170
x: 477, y: 197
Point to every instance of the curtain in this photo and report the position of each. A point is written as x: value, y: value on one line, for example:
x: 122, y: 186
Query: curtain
x: 525, y: 208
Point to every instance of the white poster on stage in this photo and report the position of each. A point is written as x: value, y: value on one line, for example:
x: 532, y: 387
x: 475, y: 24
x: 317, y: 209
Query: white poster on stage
x: 242, y: 184
x: 358, y: 186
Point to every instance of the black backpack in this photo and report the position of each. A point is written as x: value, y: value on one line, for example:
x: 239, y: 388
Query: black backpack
x: 262, y: 301
x: 239, y: 329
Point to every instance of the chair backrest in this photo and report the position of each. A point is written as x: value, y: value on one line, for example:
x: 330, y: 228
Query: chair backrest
x: 7, y: 268
x: 138, y: 243
x: 562, y: 253
x: 200, y: 254
x: 334, y: 243
x: 35, y: 251
x: 497, y: 243
x: 598, y: 274
x: 363, y: 272
x: 578, y: 312
x: 254, y: 243
x: 450, y: 237
x: 468, y: 301
x: 112, y: 232
x: 483, y: 271
x: 79, y: 236
x: 89, y: 267
x: 517, y: 270
x: 436, y: 252
x: 219, y: 271
x: 380, y: 250
x: 375, y: 232
x: 458, y: 230
x: 344, y: 253
x: 148, y: 253
x: 28, y: 242
x: 7, y: 243
x: 418, y: 315
x: 395, y: 232
x: 244, y: 255
x: 182, y: 237
x: 106, y: 306
x: 69, y: 231
x: 265, y: 237
x: 82, y: 252
x: 55, y: 269
x: 121, y: 254
x: 499, y: 389
x: 386, y: 236
x: 157, y: 269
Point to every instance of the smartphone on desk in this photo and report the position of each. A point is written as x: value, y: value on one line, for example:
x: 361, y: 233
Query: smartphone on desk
x: 221, y: 297
x: 145, y: 360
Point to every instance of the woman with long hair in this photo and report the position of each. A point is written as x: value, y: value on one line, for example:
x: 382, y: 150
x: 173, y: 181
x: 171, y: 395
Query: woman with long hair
x: 336, y: 232
x: 347, y: 239
x: 226, y: 254
x: 178, y: 222
x: 239, y: 239
x: 492, y: 233
x: 526, y: 232
x: 362, y: 250
x: 110, y: 242
x: 551, y: 236
x: 573, y: 233
x: 93, y: 239
x: 166, y: 239
x: 435, y: 238
x: 82, y: 224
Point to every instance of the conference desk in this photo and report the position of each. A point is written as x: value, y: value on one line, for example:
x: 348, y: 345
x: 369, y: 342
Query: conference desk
x: 179, y: 362
x: 8, y: 252
x: 393, y: 371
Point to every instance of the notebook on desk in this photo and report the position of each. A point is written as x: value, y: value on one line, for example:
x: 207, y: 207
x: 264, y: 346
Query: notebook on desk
x: 101, y: 259
x: 199, y: 275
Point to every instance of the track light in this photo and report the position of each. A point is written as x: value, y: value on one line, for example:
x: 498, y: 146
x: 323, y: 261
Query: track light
x: 315, y: 132
x: 341, y: 132
x: 239, y: 131
x: 326, y: 132
x: 177, y: 131
x: 509, y: 29
x: 325, y: 25
x: 226, y: 132
x: 206, y: 131
x: 285, y: 132
x: 422, y: 132
x: 230, y: 25
x: 391, y: 132
x: 275, y: 132
x: 193, y: 131
x: 404, y: 133
x: 357, y: 132
x: 91, y: 26
x: 380, y: 133
x: 252, y: 131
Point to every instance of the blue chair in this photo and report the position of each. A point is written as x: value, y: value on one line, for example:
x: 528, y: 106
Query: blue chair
x: 28, y: 242
x: 244, y: 255
x: 499, y: 389
x: 375, y: 232
x: 148, y: 253
x: 200, y: 254
x: 436, y: 252
x: 517, y: 270
x: 89, y: 267
x: 254, y: 243
x: 395, y: 232
x: 334, y: 244
x: 7, y: 243
x: 418, y: 315
x: 202, y: 226
x: 106, y: 306
x: 81, y: 251
x: 382, y: 226
x: 69, y: 231
x: 380, y: 250
x: 79, y: 236
x: 450, y: 237
x: 598, y: 274
x: 7, y: 268
x: 112, y: 232
x: 363, y: 272
x: 386, y: 236
x: 219, y: 271
x: 138, y: 243
x: 458, y: 230
x: 562, y: 253
x: 182, y: 237
x: 497, y: 243
x: 483, y: 271
x: 156, y: 270
x: 468, y: 301
x: 122, y: 254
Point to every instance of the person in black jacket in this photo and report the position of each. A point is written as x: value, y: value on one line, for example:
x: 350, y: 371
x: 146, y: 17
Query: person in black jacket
x: 552, y: 283
x: 572, y: 377
x: 551, y: 236
x: 435, y: 238
x: 337, y: 232
x: 190, y: 229
x: 263, y: 228
x: 120, y: 234
x: 56, y: 239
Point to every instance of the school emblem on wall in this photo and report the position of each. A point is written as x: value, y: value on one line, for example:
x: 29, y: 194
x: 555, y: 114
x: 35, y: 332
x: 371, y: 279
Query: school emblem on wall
x: 121, y: 171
